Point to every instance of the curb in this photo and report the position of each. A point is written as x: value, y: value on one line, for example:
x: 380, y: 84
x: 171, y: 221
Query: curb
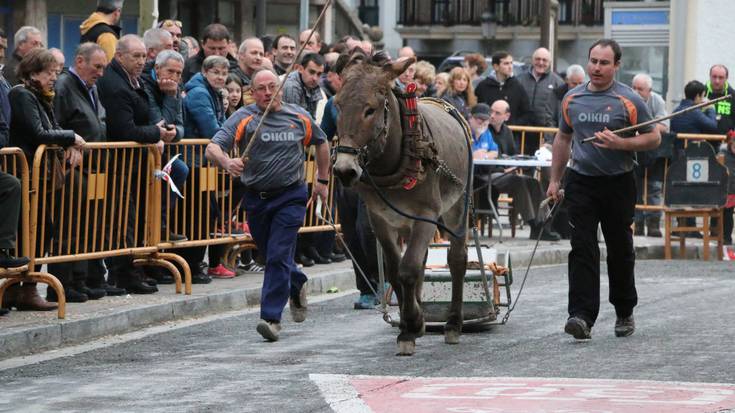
x: 22, y: 341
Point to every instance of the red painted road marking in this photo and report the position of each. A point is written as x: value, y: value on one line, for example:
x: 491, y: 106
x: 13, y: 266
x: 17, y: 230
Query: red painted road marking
x: 364, y: 394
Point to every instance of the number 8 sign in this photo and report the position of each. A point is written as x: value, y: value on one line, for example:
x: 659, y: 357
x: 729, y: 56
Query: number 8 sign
x: 697, y: 170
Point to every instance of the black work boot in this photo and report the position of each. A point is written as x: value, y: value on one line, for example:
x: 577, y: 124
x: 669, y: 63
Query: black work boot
x: 640, y: 228
x: 72, y: 295
x: 578, y: 328
x: 624, y: 326
x: 9, y: 261
x: 92, y: 293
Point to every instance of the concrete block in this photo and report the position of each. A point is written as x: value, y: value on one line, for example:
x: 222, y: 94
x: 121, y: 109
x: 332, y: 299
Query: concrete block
x: 143, y: 316
x: 190, y: 307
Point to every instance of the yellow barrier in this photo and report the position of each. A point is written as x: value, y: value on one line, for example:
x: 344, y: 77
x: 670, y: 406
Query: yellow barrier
x: 102, y: 208
x: 111, y: 204
x: 13, y: 162
x: 210, y: 212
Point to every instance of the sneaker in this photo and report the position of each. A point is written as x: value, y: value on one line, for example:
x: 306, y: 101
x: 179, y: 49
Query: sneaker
x: 220, y: 272
x: 624, y: 326
x: 269, y: 329
x: 297, y: 305
x: 578, y: 328
x: 252, y: 266
x: 365, y: 302
x: 199, y: 277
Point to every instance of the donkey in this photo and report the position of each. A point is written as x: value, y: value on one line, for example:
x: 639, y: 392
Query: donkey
x: 372, y: 142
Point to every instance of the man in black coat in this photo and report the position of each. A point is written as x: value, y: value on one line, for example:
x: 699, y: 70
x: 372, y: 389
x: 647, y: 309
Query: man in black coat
x: 214, y: 42
x: 77, y: 106
x: 502, y: 85
x: 128, y: 119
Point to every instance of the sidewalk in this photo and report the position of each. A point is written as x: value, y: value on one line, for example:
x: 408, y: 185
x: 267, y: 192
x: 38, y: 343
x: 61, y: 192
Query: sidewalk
x: 30, y: 332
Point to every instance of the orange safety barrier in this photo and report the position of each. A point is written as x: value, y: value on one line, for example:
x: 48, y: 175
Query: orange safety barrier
x: 104, y: 207
x: 210, y: 212
x: 111, y: 203
x: 13, y: 162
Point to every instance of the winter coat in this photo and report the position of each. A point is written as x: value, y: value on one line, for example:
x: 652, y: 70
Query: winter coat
x: 162, y: 106
x: 490, y: 90
x: 33, y: 123
x: 203, y: 109
x: 128, y: 117
x: 96, y: 30
x: 542, y: 98
x: 75, y: 109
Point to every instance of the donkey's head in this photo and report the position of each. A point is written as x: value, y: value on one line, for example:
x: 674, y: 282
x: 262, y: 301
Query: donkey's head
x: 364, y: 120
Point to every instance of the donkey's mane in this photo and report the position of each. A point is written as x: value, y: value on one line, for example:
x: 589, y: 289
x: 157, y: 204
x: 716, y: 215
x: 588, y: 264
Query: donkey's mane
x: 365, y: 72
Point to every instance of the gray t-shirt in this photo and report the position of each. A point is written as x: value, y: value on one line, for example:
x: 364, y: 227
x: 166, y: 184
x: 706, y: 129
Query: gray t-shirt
x: 585, y: 112
x: 277, y: 156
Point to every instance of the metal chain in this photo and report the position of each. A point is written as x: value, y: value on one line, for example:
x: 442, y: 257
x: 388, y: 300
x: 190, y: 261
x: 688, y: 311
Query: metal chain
x: 443, y: 169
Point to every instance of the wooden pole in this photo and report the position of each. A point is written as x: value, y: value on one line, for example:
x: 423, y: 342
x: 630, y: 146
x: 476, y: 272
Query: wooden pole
x: 245, y: 155
x: 662, y: 118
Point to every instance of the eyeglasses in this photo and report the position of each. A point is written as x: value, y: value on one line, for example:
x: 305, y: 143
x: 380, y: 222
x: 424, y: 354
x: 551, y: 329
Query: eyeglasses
x: 169, y: 23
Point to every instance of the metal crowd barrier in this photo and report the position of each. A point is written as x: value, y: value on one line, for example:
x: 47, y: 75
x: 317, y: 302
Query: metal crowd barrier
x: 101, y: 208
x: 111, y: 203
x: 13, y: 162
x: 210, y: 212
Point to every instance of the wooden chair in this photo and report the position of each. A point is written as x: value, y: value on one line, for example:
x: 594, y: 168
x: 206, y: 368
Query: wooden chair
x: 705, y: 214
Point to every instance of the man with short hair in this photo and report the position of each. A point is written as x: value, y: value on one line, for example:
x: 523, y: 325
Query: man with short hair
x: 26, y: 39
x: 302, y: 85
x: 174, y: 28
x: 503, y: 85
x: 156, y: 41
x: 315, y: 42
x: 717, y: 86
x: 101, y: 27
x: 215, y: 38
x: 574, y: 77
x: 406, y: 52
x: 250, y: 58
x: 600, y: 188
x: 128, y: 118
x: 284, y: 52
x: 648, y: 166
x: 539, y: 83
x: 276, y: 196
x: 77, y: 107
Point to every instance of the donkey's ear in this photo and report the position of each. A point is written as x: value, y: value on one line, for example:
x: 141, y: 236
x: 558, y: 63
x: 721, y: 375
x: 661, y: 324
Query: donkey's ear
x: 394, y: 69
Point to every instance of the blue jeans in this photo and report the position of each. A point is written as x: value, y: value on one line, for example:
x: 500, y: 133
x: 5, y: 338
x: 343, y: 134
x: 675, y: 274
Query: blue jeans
x: 274, y: 223
x: 179, y: 173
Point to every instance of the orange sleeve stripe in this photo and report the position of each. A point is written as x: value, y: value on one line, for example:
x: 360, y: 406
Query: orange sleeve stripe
x: 241, y: 128
x: 631, y: 109
x: 565, y: 110
x: 307, y: 129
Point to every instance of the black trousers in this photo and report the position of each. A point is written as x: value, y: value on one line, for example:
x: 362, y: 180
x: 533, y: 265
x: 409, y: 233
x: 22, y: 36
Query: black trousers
x: 610, y: 202
x: 10, y: 204
x: 727, y: 224
x: 359, y: 237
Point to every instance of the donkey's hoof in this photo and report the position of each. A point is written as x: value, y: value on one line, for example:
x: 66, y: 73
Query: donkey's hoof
x: 451, y: 337
x: 406, y: 348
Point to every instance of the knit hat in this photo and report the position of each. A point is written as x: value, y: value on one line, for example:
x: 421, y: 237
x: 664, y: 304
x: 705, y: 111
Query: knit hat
x: 110, y: 4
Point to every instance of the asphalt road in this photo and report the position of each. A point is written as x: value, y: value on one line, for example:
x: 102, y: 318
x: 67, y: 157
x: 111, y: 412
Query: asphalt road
x: 685, y: 333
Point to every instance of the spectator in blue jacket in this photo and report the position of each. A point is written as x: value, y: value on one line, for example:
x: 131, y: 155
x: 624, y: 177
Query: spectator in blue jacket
x: 203, y: 107
x: 695, y: 121
x: 204, y: 114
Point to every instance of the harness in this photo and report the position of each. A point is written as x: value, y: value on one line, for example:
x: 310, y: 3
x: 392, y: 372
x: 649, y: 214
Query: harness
x: 418, y: 152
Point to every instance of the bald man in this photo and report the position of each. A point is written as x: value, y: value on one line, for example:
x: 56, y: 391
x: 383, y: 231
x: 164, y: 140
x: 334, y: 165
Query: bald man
x: 540, y: 83
x: 406, y: 51
x: 314, y: 44
x: 276, y: 195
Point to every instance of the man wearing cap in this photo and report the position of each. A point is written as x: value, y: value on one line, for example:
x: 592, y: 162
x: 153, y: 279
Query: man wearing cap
x: 525, y: 190
x: 102, y: 26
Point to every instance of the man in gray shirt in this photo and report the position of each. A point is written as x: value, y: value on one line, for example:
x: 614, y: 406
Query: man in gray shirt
x: 276, y: 195
x: 651, y: 169
x: 600, y: 188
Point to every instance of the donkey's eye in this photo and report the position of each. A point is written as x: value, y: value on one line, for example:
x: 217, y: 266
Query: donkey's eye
x: 369, y: 112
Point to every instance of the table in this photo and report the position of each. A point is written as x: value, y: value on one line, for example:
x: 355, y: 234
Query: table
x: 523, y: 163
